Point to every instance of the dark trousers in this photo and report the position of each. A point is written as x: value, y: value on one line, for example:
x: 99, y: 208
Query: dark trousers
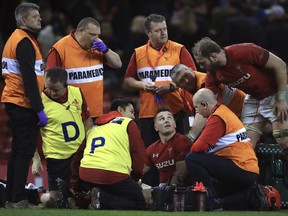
x: 25, y: 134
x: 223, y: 178
x: 58, y: 168
x: 124, y: 195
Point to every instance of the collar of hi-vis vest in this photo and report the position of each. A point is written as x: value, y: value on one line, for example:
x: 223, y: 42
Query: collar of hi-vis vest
x: 160, y: 53
x: 33, y: 36
x: 215, y: 107
x: 62, y: 99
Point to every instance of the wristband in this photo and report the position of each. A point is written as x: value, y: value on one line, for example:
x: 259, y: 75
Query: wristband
x: 191, y: 136
x: 281, y: 95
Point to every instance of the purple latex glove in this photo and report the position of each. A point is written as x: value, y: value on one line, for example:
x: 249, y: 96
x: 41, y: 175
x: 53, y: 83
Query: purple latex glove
x: 100, y: 46
x: 158, y: 99
x: 43, y: 119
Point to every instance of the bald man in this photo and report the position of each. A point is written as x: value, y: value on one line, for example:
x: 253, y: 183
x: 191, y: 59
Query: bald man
x: 224, y: 152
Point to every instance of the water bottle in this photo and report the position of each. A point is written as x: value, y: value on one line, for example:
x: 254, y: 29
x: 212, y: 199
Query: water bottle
x: 200, y: 197
x: 178, y: 200
x: 200, y: 201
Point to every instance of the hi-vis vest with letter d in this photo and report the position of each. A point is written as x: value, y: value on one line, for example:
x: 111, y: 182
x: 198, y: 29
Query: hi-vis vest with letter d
x: 107, y: 147
x: 65, y: 129
x: 14, y: 89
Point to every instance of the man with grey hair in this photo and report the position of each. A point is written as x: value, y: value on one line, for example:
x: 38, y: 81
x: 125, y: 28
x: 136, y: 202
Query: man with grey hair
x: 24, y: 77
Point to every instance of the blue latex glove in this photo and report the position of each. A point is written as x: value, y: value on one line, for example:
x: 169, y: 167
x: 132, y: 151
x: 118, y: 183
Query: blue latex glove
x: 43, y: 119
x: 100, y: 46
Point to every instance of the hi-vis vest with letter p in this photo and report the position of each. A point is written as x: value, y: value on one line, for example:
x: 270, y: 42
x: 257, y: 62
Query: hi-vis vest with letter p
x: 65, y: 129
x: 107, y: 147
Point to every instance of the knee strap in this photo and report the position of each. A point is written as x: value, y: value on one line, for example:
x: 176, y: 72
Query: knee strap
x: 280, y: 133
x: 254, y: 129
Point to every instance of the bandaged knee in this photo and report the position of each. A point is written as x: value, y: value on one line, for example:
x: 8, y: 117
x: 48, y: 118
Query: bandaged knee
x: 253, y: 129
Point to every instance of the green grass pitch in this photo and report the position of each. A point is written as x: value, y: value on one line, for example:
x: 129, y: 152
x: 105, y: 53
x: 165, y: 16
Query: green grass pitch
x: 76, y: 212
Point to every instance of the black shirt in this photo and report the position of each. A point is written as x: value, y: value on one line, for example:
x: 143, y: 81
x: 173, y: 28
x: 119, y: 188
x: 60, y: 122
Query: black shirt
x: 26, y: 56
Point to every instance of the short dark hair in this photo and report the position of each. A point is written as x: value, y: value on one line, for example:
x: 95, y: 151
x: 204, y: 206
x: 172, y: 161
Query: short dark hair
x: 161, y: 109
x: 87, y: 20
x: 122, y: 102
x: 22, y: 11
x: 153, y: 18
x: 57, y: 74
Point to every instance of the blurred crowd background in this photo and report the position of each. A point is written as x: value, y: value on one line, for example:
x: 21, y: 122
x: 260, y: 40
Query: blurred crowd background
x: 263, y: 22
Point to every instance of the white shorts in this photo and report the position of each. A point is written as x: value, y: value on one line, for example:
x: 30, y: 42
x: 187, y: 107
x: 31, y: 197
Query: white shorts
x: 255, y: 111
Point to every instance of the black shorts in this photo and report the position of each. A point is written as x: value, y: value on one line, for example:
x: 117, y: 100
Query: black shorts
x: 58, y: 168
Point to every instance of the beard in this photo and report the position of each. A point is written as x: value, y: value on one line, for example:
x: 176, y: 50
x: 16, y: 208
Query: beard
x: 214, y: 67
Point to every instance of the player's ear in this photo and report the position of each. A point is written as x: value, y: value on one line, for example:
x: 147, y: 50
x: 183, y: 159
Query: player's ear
x: 204, y: 104
x: 120, y: 109
x: 156, y: 128
x: 213, y: 57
